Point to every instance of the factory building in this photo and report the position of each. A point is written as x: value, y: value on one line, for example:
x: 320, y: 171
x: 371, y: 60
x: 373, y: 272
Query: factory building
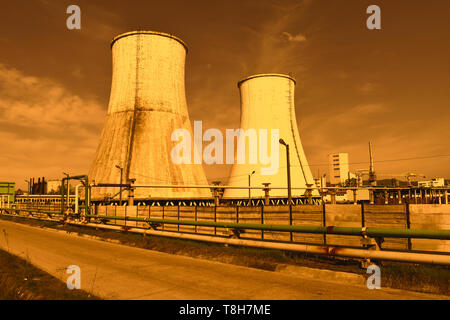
x: 435, y: 182
x: 147, y: 103
x: 338, y: 168
x: 7, y: 192
x: 53, y: 186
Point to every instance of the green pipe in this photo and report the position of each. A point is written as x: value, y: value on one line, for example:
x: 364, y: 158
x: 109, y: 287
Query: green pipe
x: 437, y: 258
x: 350, y: 231
x: 409, y: 233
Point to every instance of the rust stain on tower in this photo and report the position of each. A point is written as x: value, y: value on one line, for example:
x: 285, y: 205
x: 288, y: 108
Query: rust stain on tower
x: 147, y: 103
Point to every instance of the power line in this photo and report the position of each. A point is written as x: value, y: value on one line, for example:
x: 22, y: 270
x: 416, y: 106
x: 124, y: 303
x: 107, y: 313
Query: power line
x: 365, y: 162
x: 388, y: 160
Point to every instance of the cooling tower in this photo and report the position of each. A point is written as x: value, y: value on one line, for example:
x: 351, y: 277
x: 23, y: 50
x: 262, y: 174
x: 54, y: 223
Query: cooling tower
x: 267, y: 102
x: 147, y: 103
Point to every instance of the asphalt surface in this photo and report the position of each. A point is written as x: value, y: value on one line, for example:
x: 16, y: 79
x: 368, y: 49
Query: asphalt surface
x: 114, y: 271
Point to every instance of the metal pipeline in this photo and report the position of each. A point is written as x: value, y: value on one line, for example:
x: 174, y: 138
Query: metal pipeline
x: 84, y: 178
x: 440, y: 259
x: 349, y: 231
x: 76, y: 196
x: 313, y: 249
x: 33, y: 210
x: 199, y: 186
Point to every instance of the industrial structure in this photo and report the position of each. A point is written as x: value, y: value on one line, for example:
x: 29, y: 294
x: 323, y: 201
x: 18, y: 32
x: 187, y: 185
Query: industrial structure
x: 7, y: 192
x: 147, y: 103
x: 133, y: 163
x: 338, y: 167
x: 267, y: 102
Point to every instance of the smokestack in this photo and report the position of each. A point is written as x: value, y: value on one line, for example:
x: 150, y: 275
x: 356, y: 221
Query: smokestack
x: 147, y: 103
x: 267, y: 102
x: 372, y: 177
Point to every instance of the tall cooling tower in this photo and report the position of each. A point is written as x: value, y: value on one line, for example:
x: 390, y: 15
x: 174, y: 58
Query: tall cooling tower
x: 147, y: 103
x: 267, y: 102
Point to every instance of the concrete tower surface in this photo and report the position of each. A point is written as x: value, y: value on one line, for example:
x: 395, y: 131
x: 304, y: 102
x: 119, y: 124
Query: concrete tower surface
x: 267, y: 102
x: 147, y: 103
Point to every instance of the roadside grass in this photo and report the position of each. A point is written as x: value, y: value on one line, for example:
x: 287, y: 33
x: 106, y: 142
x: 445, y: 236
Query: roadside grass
x: 20, y: 280
x: 407, y: 276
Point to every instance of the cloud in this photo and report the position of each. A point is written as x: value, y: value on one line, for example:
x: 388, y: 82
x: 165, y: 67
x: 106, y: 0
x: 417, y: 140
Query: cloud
x: 368, y: 87
x: 44, y: 127
x: 350, y: 130
x: 365, y: 109
x: 356, y: 116
x: 271, y: 50
x: 297, y: 38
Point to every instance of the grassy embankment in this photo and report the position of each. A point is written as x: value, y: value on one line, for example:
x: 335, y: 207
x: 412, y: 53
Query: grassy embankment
x: 20, y: 280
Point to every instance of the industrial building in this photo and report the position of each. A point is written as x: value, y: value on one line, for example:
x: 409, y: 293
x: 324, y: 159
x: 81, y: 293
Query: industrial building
x: 147, y: 103
x: 436, y: 182
x: 267, y: 102
x: 53, y: 186
x: 7, y: 192
x: 338, y: 168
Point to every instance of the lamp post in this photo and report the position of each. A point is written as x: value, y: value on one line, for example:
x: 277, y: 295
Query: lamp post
x: 120, y: 191
x: 288, y: 163
x: 68, y: 191
x: 249, y: 184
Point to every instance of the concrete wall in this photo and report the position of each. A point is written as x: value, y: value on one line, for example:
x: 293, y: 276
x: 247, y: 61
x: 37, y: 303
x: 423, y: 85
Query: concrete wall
x: 387, y: 216
x: 343, y: 215
x: 430, y: 216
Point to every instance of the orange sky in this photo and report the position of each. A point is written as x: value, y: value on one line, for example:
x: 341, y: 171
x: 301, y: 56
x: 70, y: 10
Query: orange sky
x: 353, y: 85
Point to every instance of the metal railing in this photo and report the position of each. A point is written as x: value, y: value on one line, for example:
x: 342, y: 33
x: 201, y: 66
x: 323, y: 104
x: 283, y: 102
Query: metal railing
x: 348, y: 231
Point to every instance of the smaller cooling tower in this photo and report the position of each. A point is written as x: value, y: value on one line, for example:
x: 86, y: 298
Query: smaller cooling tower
x: 267, y: 102
x: 147, y: 103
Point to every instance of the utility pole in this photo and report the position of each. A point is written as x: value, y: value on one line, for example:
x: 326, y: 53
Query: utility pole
x: 249, y: 184
x: 372, y: 177
x: 68, y: 190
x: 120, y: 191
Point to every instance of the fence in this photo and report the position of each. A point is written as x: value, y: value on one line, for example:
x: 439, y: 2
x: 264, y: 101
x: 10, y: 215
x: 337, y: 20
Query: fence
x: 414, y: 217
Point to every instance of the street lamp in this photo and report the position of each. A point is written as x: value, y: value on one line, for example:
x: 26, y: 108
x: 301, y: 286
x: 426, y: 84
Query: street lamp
x: 120, y: 194
x: 288, y: 163
x: 288, y: 181
x: 249, y: 183
x: 68, y: 191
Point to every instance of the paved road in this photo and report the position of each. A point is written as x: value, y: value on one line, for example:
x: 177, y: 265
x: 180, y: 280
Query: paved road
x: 114, y: 271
